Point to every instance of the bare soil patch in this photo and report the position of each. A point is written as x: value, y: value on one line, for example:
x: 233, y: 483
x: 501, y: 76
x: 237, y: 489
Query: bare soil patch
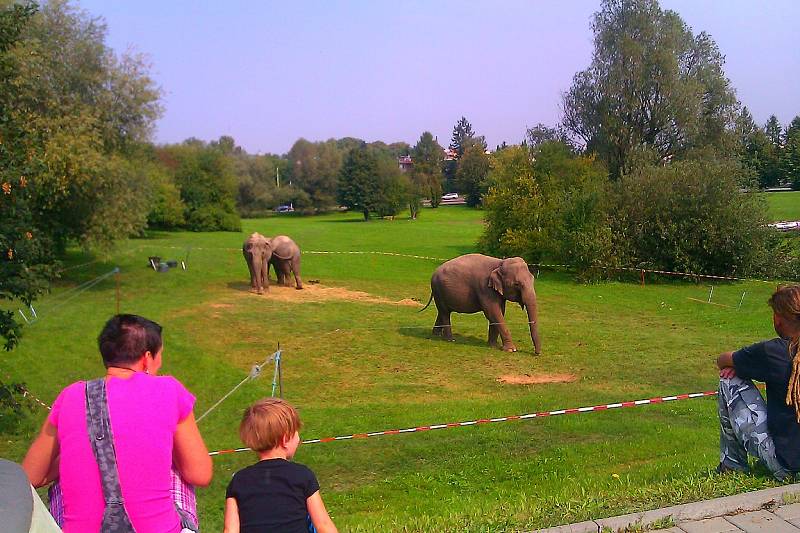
x: 320, y: 293
x: 536, y: 379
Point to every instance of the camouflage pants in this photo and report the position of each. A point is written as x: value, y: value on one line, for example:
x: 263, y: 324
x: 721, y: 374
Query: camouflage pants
x: 743, y: 427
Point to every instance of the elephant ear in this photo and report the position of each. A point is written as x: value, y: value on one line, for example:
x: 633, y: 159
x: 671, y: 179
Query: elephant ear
x: 495, y: 281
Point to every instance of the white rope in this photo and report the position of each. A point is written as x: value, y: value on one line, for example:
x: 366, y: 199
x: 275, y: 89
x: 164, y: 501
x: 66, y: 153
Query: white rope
x: 254, y: 373
x: 73, y: 293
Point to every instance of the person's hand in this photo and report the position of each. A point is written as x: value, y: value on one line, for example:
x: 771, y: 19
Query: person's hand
x: 727, y: 373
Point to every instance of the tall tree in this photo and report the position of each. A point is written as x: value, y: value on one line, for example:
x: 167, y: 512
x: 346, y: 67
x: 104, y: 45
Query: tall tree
x: 790, y: 157
x: 26, y: 260
x: 464, y: 137
x: 93, y: 110
x: 754, y: 148
x: 473, y: 169
x: 426, y: 175
x: 652, y: 87
x: 770, y: 174
x: 774, y: 131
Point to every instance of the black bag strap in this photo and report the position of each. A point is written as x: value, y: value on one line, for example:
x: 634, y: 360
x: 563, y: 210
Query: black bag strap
x: 98, y: 424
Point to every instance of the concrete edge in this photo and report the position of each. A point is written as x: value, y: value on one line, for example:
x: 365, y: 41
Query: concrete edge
x: 748, y: 501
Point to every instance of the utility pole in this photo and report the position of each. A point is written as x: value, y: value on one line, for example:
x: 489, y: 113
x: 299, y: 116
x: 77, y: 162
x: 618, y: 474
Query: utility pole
x: 277, y: 177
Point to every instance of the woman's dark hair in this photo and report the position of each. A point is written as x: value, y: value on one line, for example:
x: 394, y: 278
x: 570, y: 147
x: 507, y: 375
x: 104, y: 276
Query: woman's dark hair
x: 126, y: 338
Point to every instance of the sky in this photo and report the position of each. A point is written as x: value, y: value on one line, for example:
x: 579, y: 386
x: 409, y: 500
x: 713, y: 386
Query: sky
x: 267, y: 73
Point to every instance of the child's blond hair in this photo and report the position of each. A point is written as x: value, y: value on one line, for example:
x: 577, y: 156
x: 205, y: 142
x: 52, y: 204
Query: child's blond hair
x: 267, y: 422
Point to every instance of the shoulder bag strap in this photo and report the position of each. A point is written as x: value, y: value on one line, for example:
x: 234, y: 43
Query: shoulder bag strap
x: 98, y: 423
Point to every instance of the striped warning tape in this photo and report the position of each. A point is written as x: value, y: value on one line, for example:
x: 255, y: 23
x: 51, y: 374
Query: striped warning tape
x: 574, y: 410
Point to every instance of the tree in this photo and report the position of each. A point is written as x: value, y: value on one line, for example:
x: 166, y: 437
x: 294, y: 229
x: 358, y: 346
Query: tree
x: 205, y: 176
x: 541, y: 133
x: 553, y: 208
x: 790, y: 158
x: 26, y: 260
x: 464, y: 137
x: 690, y: 216
x: 471, y: 174
x: 426, y: 176
x: 754, y: 148
x: 371, y: 182
x: 315, y: 168
x: 93, y: 110
x: 770, y: 172
x: 774, y: 131
x: 652, y: 87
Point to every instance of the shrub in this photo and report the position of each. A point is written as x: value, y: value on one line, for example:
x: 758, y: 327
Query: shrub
x: 691, y: 216
x: 550, y: 209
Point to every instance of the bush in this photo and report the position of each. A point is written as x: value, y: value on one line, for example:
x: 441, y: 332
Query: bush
x: 553, y: 209
x: 212, y: 218
x: 691, y: 216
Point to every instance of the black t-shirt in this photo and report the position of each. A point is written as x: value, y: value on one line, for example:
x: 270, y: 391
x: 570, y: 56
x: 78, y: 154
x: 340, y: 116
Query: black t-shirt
x: 769, y: 361
x: 271, y: 496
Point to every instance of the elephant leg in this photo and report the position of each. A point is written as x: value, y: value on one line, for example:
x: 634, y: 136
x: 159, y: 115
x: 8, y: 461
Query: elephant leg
x: 437, y: 327
x: 298, y: 282
x: 447, y: 328
x: 494, y: 330
x: 249, y: 261
x: 286, y: 271
x: 495, y: 317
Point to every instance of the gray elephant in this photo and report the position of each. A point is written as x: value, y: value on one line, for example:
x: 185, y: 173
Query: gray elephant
x: 475, y: 282
x: 285, y: 259
x: 257, y: 253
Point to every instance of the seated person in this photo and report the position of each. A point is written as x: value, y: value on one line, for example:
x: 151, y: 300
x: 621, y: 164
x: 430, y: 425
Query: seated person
x: 771, y: 431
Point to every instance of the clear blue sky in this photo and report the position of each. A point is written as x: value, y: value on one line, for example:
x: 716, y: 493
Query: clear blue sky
x: 268, y: 73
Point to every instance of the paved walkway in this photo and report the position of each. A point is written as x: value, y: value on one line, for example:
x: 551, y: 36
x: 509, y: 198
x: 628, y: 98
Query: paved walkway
x: 762, y: 511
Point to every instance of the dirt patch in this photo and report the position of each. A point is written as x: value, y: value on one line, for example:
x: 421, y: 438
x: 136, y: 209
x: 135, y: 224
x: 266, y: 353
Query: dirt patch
x: 221, y: 306
x: 321, y: 293
x: 537, y: 379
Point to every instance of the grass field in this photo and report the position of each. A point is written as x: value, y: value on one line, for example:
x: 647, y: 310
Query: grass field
x: 784, y: 205
x: 357, y: 357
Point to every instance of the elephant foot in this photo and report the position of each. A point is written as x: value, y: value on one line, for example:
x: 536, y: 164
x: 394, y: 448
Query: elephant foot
x: 299, y: 288
x: 509, y: 348
x: 537, y: 353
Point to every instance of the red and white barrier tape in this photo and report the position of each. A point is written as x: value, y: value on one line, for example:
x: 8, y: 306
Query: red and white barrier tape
x: 574, y: 410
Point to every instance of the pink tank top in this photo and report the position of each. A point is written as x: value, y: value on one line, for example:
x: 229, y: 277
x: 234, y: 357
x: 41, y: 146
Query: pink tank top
x: 144, y: 412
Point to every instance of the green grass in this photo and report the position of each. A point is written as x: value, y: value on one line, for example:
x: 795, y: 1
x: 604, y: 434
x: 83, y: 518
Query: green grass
x: 784, y: 205
x: 355, y: 365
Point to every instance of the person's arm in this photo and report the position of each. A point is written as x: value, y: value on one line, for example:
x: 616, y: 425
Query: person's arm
x: 190, y: 454
x: 231, y: 516
x: 725, y: 365
x: 41, y: 461
x: 319, y: 515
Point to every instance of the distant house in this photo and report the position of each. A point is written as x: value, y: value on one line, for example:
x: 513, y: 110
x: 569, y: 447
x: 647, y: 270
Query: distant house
x: 405, y: 163
x: 450, y: 154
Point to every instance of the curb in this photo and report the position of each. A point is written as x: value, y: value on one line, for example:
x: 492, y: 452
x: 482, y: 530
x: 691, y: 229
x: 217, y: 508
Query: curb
x: 748, y: 501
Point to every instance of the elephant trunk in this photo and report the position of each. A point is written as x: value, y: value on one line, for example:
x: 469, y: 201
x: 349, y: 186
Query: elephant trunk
x: 529, y: 302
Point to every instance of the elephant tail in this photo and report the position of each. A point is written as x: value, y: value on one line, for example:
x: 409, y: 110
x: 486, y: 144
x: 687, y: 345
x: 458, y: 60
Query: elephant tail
x: 427, y: 304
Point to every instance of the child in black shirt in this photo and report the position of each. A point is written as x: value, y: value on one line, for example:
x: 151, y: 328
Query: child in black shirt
x: 274, y: 494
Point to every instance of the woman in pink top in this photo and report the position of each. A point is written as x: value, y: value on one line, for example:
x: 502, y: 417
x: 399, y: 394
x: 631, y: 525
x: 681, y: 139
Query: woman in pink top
x: 153, y: 426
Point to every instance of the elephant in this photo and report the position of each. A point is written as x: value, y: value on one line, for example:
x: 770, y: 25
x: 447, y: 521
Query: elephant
x: 476, y: 282
x: 285, y: 258
x: 257, y: 253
